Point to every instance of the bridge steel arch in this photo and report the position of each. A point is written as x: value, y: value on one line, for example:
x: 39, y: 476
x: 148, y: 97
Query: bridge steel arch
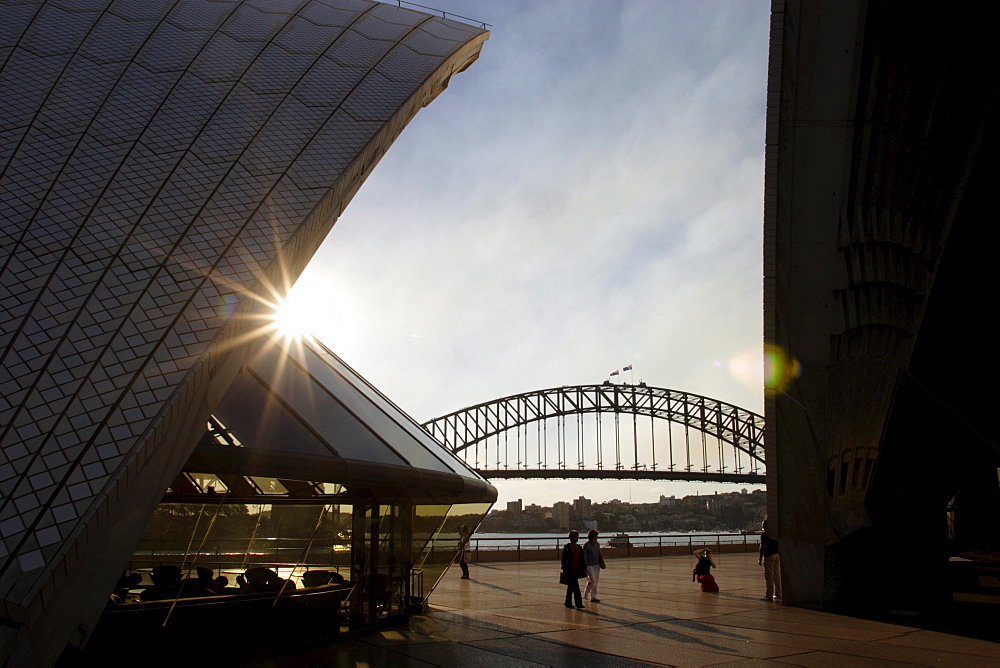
x: 739, y: 428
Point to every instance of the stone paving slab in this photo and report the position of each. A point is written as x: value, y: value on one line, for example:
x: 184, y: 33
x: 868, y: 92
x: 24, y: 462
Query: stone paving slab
x: 512, y: 614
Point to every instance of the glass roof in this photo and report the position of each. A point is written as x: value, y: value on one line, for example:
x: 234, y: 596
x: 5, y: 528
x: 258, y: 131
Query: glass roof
x: 301, y: 399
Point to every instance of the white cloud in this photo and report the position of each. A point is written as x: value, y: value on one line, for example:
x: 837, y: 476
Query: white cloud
x: 587, y: 195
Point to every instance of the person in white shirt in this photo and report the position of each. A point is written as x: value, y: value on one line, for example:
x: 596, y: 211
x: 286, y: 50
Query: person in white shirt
x: 595, y: 562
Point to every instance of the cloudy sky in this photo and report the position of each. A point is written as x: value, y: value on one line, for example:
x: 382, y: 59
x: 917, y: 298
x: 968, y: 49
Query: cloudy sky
x: 587, y: 195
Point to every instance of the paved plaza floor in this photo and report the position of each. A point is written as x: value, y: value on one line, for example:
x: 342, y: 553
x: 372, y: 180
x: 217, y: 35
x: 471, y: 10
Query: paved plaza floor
x: 650, y: 614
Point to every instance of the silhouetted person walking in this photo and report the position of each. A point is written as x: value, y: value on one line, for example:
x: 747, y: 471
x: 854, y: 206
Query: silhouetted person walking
x: 573, y: 568
x: 464, y: 536
x: 595, y: 562
x: 769, y: 558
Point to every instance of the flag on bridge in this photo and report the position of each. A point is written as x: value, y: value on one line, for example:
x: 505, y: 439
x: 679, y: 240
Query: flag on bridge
x: 614, y: 373
x: 628, y: 368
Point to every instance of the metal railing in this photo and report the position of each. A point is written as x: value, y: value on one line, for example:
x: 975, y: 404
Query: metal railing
x: 445, y: 15
x: 528, y: 548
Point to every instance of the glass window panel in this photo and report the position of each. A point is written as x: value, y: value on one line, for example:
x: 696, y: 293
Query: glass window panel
x: 262, y: 422
x: 268, y: 485
x: 443, y: 548
x: 407, y: 437
x: 383, y: 561
x: 290, y: 539
x: 331, y: 487
x: 431, y: 552
x: 317, y: 408
x: 208, y: 483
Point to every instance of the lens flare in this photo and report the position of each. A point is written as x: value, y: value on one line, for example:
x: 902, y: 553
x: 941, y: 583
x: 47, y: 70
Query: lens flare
x: 295, y: 316
x: 318, y: 308
x: 780, y: 369
x: 227, y: 304
x: 747, y: 368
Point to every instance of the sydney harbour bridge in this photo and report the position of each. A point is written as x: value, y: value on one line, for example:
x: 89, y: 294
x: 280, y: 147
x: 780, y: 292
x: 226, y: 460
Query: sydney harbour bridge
x: 609, y: 431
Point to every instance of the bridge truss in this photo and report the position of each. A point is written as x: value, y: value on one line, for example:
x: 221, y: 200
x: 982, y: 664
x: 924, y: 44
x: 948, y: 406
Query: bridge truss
x: 594, y: 431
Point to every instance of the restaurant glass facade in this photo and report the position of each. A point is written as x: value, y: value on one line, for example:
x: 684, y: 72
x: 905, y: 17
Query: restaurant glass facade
x: 276, y: 524
x: 355, y: 561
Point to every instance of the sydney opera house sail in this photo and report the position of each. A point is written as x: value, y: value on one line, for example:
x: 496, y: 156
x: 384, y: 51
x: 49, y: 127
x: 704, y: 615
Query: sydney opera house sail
x: 167, y: 168
x: 882, y: 159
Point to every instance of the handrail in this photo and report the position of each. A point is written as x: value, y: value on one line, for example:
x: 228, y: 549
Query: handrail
x: 444, y: 14
x: 542, y: 542
x: 273, y: 545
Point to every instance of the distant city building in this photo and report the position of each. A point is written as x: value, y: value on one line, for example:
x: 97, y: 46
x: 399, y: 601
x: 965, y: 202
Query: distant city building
x: 560, y: 514
x: 514, y: 507
x: 732, y: 511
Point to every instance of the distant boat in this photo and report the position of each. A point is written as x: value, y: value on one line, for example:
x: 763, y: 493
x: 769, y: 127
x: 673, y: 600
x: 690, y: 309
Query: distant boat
x: 620, y: 540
